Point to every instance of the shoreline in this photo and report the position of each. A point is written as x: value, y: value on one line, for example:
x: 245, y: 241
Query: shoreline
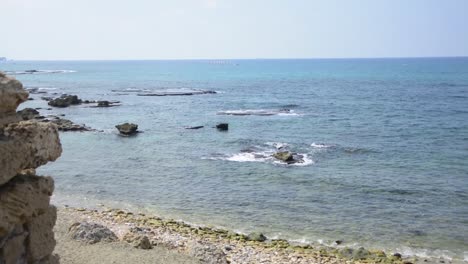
x: 179, y: 238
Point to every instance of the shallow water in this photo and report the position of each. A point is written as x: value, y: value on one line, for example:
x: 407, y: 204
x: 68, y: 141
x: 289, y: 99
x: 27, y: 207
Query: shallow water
x: 384, y: 143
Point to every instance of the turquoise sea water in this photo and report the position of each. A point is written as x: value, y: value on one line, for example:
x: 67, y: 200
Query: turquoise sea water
x: 385, y: 145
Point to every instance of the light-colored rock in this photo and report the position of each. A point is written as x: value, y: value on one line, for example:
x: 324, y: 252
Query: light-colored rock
x: 27, y: 144
x: 11, y: 95
x: 91, y: 233
x: 23, y: 198
x: 41, y: 239
x: 26, y: 218
x: 207, y: 253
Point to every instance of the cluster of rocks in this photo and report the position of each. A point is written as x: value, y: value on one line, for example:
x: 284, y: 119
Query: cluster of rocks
x: 214, y: 245
x: 62, y: 123
x: 26, y: 216
x: 66, y: 100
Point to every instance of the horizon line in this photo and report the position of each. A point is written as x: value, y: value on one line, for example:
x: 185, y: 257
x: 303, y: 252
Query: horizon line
x: 272, y: 58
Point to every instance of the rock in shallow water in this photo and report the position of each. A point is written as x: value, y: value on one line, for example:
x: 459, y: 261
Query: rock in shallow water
x: 222, y: 126
x: 91, y: 233
x: 285, y: 156
x: 127, y: 129
x: 65, y: 101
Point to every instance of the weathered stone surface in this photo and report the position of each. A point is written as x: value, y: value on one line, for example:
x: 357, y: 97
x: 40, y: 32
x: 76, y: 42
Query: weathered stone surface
x: 27, y: 144
x: 41, y: 239
x: 11, y: 95
x: 23, y: 198
x: 26, y: 219
x: 28, y: 113
x: 91, y: 233
x: 14, y: 250
x: 285, y: 156
x: 208, y: 254
x: 127, y: 129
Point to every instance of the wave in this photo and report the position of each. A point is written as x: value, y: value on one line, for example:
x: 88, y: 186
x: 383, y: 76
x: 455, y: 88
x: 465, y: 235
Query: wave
x: 164, y: 92
x: 320, y: 145
x: 259, y: 112
x: 265, y: 154
x: 38, y: 72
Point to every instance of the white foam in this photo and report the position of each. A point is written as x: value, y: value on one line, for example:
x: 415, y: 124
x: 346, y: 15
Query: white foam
x: 320, y: 146
x: 306, y: 161
x: 259, y: 112
x: 277, y: 145
x: 247, y: 157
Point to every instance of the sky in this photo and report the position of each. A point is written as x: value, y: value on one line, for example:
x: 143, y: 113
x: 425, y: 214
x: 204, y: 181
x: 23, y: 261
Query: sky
x: 231, y: 29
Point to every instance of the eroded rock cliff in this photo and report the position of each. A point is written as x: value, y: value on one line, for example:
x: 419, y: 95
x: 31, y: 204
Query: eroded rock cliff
x: 26, y: 216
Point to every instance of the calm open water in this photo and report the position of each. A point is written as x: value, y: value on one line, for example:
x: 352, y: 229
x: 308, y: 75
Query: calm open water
x: 384, y: 141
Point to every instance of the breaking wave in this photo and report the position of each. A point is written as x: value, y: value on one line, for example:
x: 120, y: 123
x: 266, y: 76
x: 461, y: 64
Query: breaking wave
x: 264, y: 154
x: 259, y: 112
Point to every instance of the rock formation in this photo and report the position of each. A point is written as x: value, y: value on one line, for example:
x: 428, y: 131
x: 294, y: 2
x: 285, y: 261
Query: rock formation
x: 26, y: 216
x: 127, y: 129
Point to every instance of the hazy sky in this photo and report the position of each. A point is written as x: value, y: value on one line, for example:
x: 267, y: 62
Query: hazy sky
x: 186, y: 29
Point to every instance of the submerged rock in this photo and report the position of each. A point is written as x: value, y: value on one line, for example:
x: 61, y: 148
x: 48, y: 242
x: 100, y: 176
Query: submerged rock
x: 103, y: 104
x: 194, y: 127
x: 91, y: 233
x: 127, y: 129
x: 106, y: 103
x: 222, y: 126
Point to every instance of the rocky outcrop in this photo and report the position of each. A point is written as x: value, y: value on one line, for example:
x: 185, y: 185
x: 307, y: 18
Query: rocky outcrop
x: 65, y: 101
x: 127, y: 129
x: 26, y: 216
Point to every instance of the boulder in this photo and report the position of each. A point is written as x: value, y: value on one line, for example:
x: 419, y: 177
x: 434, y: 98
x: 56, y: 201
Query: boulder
x: 59, y: 102
x: 28, y: 113
x: 91, y: 233
x: 222, y: 126
x: 284, y: 156
x: 11, y: 95
x: 127, y: 129
x: 27, y: 144
x: 207, y: 253
x: 65, y: 101
x: 259, y: 237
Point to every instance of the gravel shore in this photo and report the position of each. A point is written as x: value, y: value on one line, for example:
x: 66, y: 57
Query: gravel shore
x: 178, y: 242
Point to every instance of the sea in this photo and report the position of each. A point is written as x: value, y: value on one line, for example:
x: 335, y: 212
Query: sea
x: 381, y: 145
